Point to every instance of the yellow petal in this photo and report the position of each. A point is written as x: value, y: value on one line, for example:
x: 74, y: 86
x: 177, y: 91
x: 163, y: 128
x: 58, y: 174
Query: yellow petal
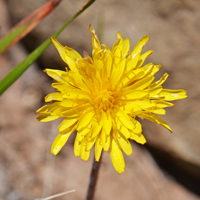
x: 46, y: 108
x: 108, y: 63
x: 117, y: 157
x: 132, y: 63
x: 77, y: 147
x: 89, y: 84
x: 107, y: 122
x: 124, y: 131
x: 67, y: 54
x: 131, y: 108
x: 143, y: 58
x: 68, y: 103
x: 130, y: 76
x: 90, y: 143
x: 77, y: 109
x: 98, y: 61
x: 163, y: 104
x: 133, y: 95
x: 118, y: 71
x: 137, y: 106
x: 96, y: 128
x: 155, y: 69
x: 57, y: 111
x: 66, y: 123
x: 125, y: 144
x: 117, y: 55
x: 141, y: 84
x: 137, y: 127
x: 46, y: 117
x: 95, y: 40
x: 55, y: 96
x: 144, y: 104
x: 81, y: 134
x: 55, y: 74
x: 106, y: 145
x: 59, y: 142
x: 84, y: 153
x: 85, y: 119
x: 159, y: 111
x: 126, y: 47
x: 154, y: 92
x: 154, y: 118
x: 117, y: 47
x: 98, y: 149
x: 62, y: 86
x: 72, y: 53
x: 171, y: 95
x: 148, y: 69
x: 104, y: 140
x: 76, y: 94
x: 160, y: 82
x: 124, y: 119
x: 79, y: 81
x: 138, y: 138
x: 139, y: 46
x: 70, y: 62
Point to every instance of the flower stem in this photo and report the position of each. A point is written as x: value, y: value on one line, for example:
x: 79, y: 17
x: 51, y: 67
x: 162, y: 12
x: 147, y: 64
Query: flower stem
x: 93, y: 178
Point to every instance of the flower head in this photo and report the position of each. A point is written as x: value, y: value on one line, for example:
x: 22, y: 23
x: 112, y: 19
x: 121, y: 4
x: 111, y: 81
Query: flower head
x: 101, y: 96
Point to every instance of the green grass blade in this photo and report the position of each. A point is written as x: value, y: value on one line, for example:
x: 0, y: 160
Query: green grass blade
x: 11, y: 77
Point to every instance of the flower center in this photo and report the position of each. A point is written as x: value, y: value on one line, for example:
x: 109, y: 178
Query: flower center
x: 105, y: 100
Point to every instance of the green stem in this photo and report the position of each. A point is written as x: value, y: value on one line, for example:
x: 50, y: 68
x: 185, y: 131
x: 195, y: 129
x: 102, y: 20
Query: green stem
x: 93, y: 178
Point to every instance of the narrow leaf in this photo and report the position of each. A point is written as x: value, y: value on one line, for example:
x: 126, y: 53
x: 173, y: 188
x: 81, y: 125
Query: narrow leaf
x: 26, y: 25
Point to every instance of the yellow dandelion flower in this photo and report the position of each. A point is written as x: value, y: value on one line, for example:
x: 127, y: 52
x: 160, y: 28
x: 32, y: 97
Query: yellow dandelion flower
x: 101, y: 96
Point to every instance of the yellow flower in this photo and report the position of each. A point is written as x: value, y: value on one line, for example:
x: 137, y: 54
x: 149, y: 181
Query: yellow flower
x: 101, y: 96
